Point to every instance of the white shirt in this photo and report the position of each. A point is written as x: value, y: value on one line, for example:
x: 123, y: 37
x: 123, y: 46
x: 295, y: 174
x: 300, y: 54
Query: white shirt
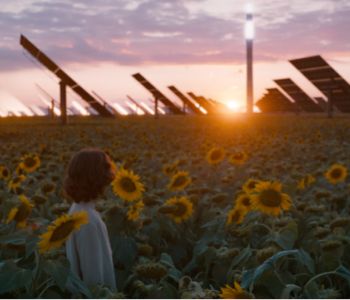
x: 88, y: 249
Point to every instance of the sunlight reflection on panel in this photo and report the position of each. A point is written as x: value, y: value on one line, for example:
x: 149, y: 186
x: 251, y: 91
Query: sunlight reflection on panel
x: 120, y: 109
x: 135, y: 108
x: 80, y: 108
x: 146, y: 107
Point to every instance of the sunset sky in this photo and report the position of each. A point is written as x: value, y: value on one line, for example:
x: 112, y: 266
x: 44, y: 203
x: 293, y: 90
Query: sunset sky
x: 197, y: 45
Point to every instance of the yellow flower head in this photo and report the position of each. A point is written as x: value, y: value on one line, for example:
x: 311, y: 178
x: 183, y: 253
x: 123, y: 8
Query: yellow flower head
x: 20, y: 213
x: 336, y: 173
x: 59, y: 231
x: 268, y: 198
x: 244, y: 201
x: 127, y: 185
x: 236, y: 215
x: 134, y: 211
x: 249, y: 185
x: 305, y: 182
x: 238, y: 158
x: 4, y: 173
x: 169, y: 169
x: 178, y: 208
x: 179, y: 181
x: 215, y: 155
x: 16, y: 182
x: 235, y: 292
x: 30, y: 162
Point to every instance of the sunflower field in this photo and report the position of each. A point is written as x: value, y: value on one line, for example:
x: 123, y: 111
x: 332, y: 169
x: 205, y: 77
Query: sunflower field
x: 200, y: 207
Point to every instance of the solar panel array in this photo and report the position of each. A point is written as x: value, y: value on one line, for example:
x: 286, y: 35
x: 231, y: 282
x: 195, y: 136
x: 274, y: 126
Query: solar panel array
x: 63, y: 76
x: 302, y: 100
x: 274, y: 101
x: 157, y: 94
x: 326, y: 79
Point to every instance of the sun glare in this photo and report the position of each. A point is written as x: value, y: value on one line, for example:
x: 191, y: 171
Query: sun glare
x: 232, y: 105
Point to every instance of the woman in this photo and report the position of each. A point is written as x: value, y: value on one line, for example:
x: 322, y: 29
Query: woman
x: 88, y: 249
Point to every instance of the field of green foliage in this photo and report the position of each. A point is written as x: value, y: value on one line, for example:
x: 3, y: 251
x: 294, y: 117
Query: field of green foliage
x: 222, y: 207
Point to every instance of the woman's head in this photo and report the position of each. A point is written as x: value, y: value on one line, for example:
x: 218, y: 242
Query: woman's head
x: 89, y: 172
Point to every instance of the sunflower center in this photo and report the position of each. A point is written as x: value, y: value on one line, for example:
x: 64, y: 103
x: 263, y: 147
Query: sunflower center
x: 16, y: 180
x: 271, y: 198
x: 336, y: 173
x: 251, y: 185
x: 29, y: 162
x: 22, y: 213
x: 235, y: 216
x: 5, y: 172
x: 180, y: 209
x: 216, y: 154
x: 62, y: 231
x: 246, y: 201
x: 127, y: 184
x: 238, y: 156
x: 179, y: 181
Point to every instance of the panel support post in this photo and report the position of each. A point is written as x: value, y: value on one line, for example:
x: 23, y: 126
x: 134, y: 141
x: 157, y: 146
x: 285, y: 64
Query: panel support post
x: 156, y: 108
x: 330, y: 103
x: 63, y: 102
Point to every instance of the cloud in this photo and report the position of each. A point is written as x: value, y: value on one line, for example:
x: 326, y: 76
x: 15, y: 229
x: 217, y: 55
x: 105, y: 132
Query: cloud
x: 162, y: 32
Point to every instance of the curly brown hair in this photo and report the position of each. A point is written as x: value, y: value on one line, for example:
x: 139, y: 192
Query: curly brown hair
x: 88, y: 173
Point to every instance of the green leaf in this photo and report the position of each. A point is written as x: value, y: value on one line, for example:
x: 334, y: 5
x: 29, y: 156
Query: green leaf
x: 16, y: 238
x: 251, y: 276
x: 287, y: 236
x: 166, y: 260
x: 124, y: 250
x: 59, y: 270
x: 13, y: 277
x: 31, y: 245
x: 343, y: 272
x: 76, y: 286
x: 289, y: 291
x: 244, y: 255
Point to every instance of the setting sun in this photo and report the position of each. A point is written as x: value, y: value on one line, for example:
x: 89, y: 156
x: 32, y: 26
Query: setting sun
x: 233, y: 105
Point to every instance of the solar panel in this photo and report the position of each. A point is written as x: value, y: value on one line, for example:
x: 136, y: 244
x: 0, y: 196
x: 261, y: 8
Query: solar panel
x: 63, y: 76
x: 326, y: 79
x: 185, y: 100
x: 203, y: 103
x: 302, y: 100
x: 157, y: 94
x: 274, y: 101
x: 322, y: 103
x: 145, y: 111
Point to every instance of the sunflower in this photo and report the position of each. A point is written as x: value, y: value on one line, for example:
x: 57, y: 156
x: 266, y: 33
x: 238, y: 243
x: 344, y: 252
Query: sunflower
x: 19, y: 170
x: 235, y: 292
x: 178, y: 208
x: 244, y: 201
x: 268, y: 198
x: 169, y: 169
x: 236, y: 215
x: 336, y: 173
x: 179, y: 181
x: 249, y: 185
x: 30, y: 162
x: 15, y: 182
x: 58, y: 232
x: 21, y: 213
x: 238, y: 158
x: 215, y: 155
x: 4, y: 173
x: 127, y: 185
x: 135, y: 210
x: 305, y: 182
